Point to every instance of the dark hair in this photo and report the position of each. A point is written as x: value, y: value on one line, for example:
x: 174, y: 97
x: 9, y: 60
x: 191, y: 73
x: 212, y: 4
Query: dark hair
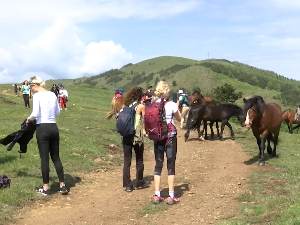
x: 135, y: 94
x: 118, y: 92
x: 149, y: 87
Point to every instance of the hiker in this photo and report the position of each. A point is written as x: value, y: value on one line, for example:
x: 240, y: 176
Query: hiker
x: 63, y: 97
x: 26, y: 92
x: 183, y: 106
x: 55, y: 90
x: 168, y: 145
x: 45, y: 108
x: 135, y: 142
x: 118, y: 93
x: 148, y: 96
x: 16, y: 89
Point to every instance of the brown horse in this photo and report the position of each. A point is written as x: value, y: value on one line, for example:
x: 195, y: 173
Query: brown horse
x: 265, y: 121
x: 116, y: 105
x: 198, y: 99
x: 289, y: 116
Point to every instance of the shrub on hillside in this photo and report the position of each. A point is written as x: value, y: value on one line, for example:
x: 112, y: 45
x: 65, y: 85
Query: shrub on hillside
x: 226, y: 93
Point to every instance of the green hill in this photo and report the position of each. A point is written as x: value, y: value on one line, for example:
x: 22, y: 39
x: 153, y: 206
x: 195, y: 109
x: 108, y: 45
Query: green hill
x: 206, y: 74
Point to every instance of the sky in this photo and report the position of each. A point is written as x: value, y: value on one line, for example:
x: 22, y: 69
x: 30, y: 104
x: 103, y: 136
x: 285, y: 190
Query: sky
x: 74, y: 38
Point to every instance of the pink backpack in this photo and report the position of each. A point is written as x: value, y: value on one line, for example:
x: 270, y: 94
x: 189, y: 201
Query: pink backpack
x: 155, y: 121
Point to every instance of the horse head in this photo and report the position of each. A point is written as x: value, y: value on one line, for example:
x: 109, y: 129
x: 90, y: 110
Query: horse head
x: 253, y: 109
x: 197, y: 97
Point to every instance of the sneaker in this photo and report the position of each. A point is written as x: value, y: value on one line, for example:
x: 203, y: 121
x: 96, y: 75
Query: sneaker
x: 157, y: 200
x: 63, y: 190
x: 171, y: 201
x: 65, y: 108
x: 42, y: 191
x: 145, y: 184
x: 129, y: 189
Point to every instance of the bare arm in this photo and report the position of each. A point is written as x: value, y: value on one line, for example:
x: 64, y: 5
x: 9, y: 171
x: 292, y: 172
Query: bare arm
x: 177, y: 116
x: 141, y: 110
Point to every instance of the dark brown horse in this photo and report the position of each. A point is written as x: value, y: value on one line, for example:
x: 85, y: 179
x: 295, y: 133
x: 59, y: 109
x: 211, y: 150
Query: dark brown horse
x: 265, y: 121
x: 198, y: 99
x: 289, y: 116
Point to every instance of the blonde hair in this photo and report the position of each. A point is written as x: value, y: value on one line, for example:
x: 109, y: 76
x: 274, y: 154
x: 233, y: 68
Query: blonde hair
x: 38, y: 81
x: 162, y: 90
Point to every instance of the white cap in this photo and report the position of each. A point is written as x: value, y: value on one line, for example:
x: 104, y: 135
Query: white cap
x: 180, y: 92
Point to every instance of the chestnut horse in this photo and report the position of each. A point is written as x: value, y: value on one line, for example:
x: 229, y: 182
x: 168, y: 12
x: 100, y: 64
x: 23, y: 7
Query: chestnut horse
x: 289, y: 116
x: 116, y: 105
x: 265, y: 121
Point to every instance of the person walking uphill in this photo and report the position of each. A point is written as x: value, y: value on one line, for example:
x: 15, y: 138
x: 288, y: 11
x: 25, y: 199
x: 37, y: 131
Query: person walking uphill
x: 26, y: 92
x: 63, y: 98
x: 183, y: 106
x: 45, y: 108
x: 135, y: 142
x: 167, y: 145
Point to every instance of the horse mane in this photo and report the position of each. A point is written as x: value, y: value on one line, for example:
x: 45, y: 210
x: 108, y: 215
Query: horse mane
x: 258, y: 100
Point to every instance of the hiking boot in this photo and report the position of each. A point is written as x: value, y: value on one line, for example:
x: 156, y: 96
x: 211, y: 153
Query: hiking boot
x: 129, y: 189
x: 157, y: 200
x: 63, y: 190
x: 171, y: 201
x: 42, y: 191
x: 144, y: 184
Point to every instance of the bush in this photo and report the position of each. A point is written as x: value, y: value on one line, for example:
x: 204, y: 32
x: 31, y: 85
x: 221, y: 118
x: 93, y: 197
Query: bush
x: 225, y: 93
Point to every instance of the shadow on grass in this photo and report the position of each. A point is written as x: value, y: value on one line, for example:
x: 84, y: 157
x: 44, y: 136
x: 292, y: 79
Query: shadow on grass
x: 6, y: 159
x: 255, y: 159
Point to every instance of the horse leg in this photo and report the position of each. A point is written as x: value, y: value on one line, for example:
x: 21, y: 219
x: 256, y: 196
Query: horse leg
x: 222, y: 129
x: 200, y: 133
x: 262, y: 151
x: 275, y: 141
x: 212, y: 134
x: 290, y: 126
x: 269, y: 139
x: 187, y: 134
x: 218, y: 132
x: 231, y: 130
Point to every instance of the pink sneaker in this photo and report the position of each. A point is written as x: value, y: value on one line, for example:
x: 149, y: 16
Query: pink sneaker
x: 157, y: 200
x: 171, y: 201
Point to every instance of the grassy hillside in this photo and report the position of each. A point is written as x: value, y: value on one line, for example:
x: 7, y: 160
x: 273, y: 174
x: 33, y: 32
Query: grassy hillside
x: 206, y: 75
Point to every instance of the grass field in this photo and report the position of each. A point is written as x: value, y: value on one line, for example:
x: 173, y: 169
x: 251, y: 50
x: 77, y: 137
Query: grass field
x: 274, y: 197
x: 85, y: 136
x: 82, y: 148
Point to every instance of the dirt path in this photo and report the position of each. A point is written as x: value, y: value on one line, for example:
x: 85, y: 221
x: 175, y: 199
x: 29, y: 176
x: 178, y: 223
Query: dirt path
x: 210, y: 174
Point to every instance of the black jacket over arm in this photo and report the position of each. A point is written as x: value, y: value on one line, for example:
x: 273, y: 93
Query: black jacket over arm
x: 22, y: 136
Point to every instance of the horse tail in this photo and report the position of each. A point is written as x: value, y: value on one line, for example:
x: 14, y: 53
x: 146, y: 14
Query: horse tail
x: 110, y: 115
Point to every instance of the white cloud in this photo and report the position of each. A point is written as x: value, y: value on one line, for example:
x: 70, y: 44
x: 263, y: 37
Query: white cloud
x: 34, y: 11
x: 286, y: 4
x: 285, y: 42
x: 59, y: 53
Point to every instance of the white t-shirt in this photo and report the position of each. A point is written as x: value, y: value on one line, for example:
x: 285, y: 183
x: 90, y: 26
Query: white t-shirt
x: 63, y: 94
x: 44, y: 107
x: 170, y: 109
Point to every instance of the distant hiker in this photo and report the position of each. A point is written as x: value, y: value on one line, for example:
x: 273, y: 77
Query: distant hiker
x: 129, y: 124
x: 63, y: 97
x: 26, y: 93
x: 148, y: 96
x: 183, y: 106
x: 45, y: 108
x: 118, y: 93
x: 54, y: 89
x: 168, y: 145
x: 16, y: 89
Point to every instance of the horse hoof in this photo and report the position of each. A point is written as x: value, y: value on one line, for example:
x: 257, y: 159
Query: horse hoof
x: 261, y: 163
x: 233, y: 138
x: 221, y: 139
x: 201, y: 138
x: 274, y: 155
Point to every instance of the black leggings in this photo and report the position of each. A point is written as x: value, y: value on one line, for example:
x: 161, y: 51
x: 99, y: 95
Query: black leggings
x: 47, y: 136
x: 26, y: 100
x: 139, y: 153
x: 170, y: 147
